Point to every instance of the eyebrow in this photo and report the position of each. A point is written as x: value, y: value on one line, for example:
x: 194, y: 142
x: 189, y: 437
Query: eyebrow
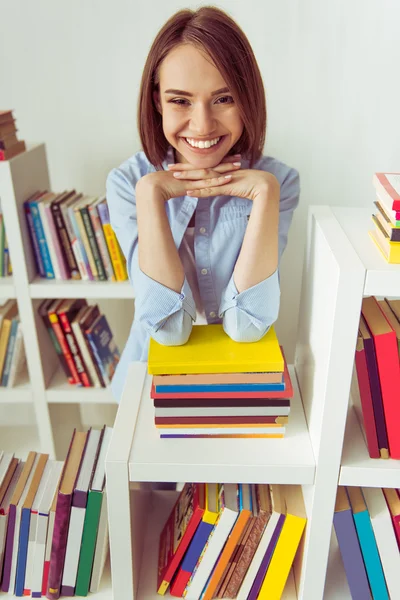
x: 182, y: 93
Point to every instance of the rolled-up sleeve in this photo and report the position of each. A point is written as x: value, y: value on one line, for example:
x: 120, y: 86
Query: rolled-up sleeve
x: 166, y: 314
x: 248, y: 315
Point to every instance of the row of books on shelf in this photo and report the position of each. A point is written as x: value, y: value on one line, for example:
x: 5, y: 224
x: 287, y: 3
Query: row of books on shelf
x: 5, y: 262
x: 72, y: 238
x: 215, y: 387
x: 230, y: 541
x: 12, y: 349
x: 386, y: 234
x: 10, y: 145
x: 53, y: 519
x: 367, y: 528
x: 375, y: 386
x: 82, y: 339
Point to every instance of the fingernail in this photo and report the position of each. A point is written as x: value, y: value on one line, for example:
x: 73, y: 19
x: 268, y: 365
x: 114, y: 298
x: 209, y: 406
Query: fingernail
x: 228, y: 176
x: 237, y: 164
x: 171, y: 165
x: 177, y: 174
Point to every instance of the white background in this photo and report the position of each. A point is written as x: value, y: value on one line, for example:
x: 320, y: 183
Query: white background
x: 71, y: 72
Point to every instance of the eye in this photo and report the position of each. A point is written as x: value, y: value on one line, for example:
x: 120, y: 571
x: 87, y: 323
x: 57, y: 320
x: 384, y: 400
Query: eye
x: 182, y: 101
x: 226, y: 97
x: 178, y: 101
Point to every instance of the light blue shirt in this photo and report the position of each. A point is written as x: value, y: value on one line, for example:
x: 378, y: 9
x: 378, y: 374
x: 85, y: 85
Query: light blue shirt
x: 220, y: 224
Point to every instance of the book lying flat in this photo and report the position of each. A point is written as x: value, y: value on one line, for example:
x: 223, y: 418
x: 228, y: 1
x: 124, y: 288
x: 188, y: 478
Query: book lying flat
x: 210, y: 350
x: 212, y: 378
x: 213, y: 421
x: 233, y: 404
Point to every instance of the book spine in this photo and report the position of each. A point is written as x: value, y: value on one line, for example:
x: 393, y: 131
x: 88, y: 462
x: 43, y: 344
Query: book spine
x: 89, y: 535
x: 76, y: 255
x: 93, y: 243
x: 85, y: 241
x: 366, y: 403
x: 4, y: 337
x: 376, y: 395
x: 389, y: 376
x: 86, y: 356
x: 37, y: 223
x: 96, y: 355
x: 117, y: 258
x: 79, y: 249
x: 64, y: 274
x: 259, y: 578
x: 49, y: 241
x: 22, y: 552
x: 10, y: 351
x: 18, y: 359
x: 8, y: 553
x: 2, y: 234
x: 74, y: 349
x: 59, y: 545
x: 59, y: 333
x: 101, y: 242
x: 65, y: 246
x: 34, y: 241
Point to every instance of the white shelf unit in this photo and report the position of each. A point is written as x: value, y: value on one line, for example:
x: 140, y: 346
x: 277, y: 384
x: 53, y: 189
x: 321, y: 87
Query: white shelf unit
x: 341, y: 266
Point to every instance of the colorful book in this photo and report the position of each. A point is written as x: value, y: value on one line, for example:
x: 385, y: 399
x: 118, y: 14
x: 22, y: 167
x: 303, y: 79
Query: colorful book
x: 393, y: 502
x: 10, y: 350
x: 101, y: 241
x: 388, y: 187
x: 66, y: 312
x: 114, y: 249
x: 6, y: 492
x: 388, y: 225
x: 210, y: 350
x: 9, y: 312
x: 104, y: 348
x: 178, y: 531
x: 385, y: 343
x: 367, y: 542
x: 392, y: 320
x: 216, y: 378
x: 389, y: 250
x: 62, y: 340
x: 349, y: 547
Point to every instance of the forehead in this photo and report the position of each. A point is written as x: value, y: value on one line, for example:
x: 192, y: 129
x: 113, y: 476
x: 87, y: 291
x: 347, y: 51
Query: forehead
x: 185, y: 67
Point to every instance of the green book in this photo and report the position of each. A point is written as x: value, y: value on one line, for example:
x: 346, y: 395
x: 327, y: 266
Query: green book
x: 88, y: 545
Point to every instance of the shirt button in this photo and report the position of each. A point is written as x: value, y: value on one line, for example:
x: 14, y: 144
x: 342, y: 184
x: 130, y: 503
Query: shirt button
x: 204, y: 271
x: 212, y: 314
x: 202, y: 229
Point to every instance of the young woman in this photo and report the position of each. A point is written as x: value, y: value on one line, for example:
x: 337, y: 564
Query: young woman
x: 201, y: 215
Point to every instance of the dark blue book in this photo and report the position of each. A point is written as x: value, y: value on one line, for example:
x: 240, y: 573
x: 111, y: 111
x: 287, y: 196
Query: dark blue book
x: 105, y: 351
x: 221, y: 387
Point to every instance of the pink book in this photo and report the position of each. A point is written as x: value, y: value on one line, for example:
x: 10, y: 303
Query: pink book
x: 393, y: 502
x: 56, y: 242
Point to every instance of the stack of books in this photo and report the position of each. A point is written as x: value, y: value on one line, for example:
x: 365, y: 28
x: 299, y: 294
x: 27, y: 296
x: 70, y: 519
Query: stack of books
x: 215, y: 387
x: 72, y: 238
x: 230, y: 541
x: 13, y: 366
x: 10, y: 145
x: 83, y: 340
x: 386, y: 234
x: 375, y: 386
x: 367, y: 527
x: 5, y: 262
x: 53, y: 519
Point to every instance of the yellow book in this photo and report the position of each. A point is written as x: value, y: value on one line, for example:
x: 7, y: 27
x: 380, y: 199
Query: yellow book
x: 10, y: 311
x: 390, y: 250
x: 286, y: 546
x: 117, y: 258
x: 211, y: 513
x: 210, y: 350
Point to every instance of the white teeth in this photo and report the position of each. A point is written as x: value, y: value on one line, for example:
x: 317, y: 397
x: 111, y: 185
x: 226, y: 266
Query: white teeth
x: 206, y: 144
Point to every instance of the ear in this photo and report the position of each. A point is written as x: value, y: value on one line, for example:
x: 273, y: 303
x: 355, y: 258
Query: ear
x: 156, y: 98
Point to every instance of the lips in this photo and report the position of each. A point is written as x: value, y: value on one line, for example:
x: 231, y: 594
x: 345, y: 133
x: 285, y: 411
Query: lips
x: 205, y: 150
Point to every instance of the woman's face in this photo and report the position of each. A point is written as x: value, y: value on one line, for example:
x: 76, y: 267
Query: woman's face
x: 197, y: 114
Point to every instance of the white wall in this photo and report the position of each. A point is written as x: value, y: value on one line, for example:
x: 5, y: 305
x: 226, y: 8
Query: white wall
x: 71, y: 71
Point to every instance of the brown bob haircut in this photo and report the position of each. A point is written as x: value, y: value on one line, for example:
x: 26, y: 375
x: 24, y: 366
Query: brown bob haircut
x: 212, y: 31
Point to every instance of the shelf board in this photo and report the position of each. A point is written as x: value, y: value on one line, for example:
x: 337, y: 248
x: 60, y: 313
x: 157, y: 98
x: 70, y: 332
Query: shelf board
x: 20, y: 393
x: 382, y: 278
x: 358, y: 469
x: 336, y: 586
x: 61, y: 392
x: 7, y: 289
x: 288, y: 460
x: 162, y: 504
x: 69, y: 288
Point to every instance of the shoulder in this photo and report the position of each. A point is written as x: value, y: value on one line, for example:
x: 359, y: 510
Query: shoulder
x: 288, y: 177
x: 128, y: 173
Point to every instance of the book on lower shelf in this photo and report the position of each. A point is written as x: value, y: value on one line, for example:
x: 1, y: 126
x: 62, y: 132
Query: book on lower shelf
x: 82, y: 339
x: 230, y: 541
x: 53, y: 521
x: 214, y: 387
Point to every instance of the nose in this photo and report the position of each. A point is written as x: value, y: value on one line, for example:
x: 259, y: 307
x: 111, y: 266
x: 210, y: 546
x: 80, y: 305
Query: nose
x: 203, y: 123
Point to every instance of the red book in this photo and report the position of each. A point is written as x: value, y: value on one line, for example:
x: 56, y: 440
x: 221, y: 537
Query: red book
x: 364, y: 396
x: 67, y: 312
x: 385, y: 343
x: 178, y: 532
x: 62, y: 340
x: 393, y: 502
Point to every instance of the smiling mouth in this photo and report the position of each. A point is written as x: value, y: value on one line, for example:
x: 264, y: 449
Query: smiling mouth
x: 205, y: 150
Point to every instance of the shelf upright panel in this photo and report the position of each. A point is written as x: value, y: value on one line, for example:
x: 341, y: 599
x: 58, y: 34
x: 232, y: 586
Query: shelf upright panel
x: 332, y: 289
x: 20, y: 177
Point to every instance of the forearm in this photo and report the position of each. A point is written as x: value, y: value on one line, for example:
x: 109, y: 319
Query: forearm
x: 158, y: 255
x: 258, y: 258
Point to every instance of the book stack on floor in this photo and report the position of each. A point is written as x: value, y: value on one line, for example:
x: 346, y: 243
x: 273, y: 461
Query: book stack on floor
x: 13, y: 367
x: 386, y: 234
x: 10, y: 145
x: 72, y: 238
x: 213, y: 386
x: 5, y: 261
x: 367, y: 527
x: 82, y: 339
x: 53, y: 519
x: 376, y: 376
x: 230, y: 541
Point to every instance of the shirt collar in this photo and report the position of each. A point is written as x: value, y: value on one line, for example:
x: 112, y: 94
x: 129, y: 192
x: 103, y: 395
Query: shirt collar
x: 170, y: 159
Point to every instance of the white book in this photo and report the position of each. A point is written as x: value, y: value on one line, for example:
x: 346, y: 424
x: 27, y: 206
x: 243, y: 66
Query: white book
x: 33, y: 527
x: 18, y: 363
x: 101, y: 550
x: 215, y: 544
x: 278, y: 508
x: 78, y: 511
x: 18, y: 524
x: 385, y: 538
x: 43, y: 510
x: 84, y: 349
x: 259, y: 430
x: 224, y: 411
x: 5, y: 462
x: 4, y: 507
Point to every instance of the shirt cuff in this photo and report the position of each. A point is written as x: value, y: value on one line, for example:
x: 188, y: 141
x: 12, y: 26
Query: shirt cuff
x: 260, y: 302
x: 156, y: 302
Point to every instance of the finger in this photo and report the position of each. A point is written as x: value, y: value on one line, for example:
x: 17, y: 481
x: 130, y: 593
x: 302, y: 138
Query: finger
x: 206, y: 173
x: 212, y: 182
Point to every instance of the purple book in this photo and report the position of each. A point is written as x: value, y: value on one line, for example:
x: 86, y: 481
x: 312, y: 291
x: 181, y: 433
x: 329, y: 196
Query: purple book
x: 255, y: 588
x: 350, y: 548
